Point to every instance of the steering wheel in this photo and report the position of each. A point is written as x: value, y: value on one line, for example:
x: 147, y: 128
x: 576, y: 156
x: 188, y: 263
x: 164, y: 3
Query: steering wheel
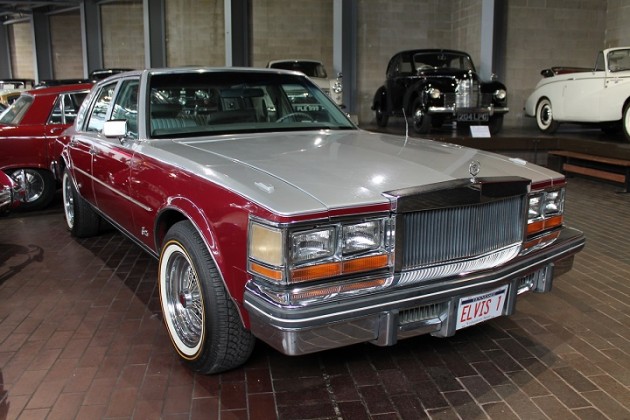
x: 296, y: 114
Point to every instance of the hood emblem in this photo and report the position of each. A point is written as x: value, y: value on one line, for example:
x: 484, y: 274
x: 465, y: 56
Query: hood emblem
x: 474, y: 168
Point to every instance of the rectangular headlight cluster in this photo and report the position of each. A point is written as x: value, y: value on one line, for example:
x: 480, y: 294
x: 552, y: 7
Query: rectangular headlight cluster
x: 291, y: 255
x: 545, y: 211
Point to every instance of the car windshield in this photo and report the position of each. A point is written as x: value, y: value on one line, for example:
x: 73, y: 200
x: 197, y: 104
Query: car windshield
x: 190, y: 104
x: 442, y: 60
x: 309, y: 68
x: 13, y: 115
x: 619, y: 60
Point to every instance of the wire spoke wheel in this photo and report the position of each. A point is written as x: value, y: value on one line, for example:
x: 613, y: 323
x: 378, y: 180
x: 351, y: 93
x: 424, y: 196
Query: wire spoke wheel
x: 183, y: 300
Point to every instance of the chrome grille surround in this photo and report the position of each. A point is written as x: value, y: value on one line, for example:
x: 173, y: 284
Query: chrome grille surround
x: 458, y: 227
x: 467, y: 95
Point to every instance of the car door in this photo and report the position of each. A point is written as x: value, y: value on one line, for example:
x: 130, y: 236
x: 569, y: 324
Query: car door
x: 582, y: 94
x: 81, y: 145
x: 111, y: 159
x: 63, y: 114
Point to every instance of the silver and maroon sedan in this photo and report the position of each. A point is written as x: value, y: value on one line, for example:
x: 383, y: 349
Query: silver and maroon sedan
x: 274, y: 217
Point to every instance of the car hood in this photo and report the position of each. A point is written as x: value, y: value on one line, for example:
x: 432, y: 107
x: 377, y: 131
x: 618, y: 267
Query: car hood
x: 305, y: 172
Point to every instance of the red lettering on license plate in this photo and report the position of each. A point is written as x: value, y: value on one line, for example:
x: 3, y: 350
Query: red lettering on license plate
x: 480, y: 307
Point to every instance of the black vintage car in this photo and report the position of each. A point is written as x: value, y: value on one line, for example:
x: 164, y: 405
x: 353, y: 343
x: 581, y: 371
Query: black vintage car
x: 435, y: 86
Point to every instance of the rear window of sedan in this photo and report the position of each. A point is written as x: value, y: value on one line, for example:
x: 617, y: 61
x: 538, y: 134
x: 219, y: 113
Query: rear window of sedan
x: 15, y: 113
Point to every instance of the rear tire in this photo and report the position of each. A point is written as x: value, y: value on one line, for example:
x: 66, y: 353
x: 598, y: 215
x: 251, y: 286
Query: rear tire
x: 381, y: 114
x: 201, y: 320
x: 81, y: 219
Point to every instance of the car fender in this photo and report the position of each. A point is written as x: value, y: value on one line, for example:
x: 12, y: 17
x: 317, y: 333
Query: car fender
x: 380, y: 97
x: 182, y: 208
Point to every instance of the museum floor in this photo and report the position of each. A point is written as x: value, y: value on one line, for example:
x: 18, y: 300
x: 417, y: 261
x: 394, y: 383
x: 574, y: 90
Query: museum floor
x: 81, y: 337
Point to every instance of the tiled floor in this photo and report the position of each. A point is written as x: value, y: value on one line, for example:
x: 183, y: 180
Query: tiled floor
x: 81, y: 337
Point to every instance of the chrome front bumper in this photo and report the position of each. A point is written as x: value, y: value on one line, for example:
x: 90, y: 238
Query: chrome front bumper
x: 398, y: 312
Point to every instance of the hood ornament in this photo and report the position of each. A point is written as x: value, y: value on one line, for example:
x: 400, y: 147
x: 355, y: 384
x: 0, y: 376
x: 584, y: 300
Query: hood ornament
x: 474, y: 168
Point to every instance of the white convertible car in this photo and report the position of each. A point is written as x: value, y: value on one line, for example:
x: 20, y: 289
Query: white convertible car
x: 585, y: 95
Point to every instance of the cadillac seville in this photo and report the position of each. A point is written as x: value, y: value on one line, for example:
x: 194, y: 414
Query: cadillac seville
x: 274, y: 217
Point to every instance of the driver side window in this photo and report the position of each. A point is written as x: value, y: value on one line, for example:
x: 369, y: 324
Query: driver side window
x: 101, y: 105
x: 126, y: 107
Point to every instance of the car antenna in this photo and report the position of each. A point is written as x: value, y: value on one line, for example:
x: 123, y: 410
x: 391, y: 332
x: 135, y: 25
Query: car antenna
x: 406, y: 127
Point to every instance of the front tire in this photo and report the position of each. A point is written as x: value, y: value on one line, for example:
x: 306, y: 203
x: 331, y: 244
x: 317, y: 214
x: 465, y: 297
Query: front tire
x: 81, y: 219
x: 544, y: 117
x: 495, y: 124
x: 38, y: 186
x: 201, y: 320
x: 421, y: 120
x: 625, y: 121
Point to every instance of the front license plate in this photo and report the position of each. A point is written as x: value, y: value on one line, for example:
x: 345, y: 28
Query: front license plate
x: 481, y: 307
x: 472, y: 116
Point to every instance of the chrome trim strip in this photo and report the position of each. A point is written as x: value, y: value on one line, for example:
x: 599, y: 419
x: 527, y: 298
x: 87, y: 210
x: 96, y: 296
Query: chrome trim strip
x: 115, y: 191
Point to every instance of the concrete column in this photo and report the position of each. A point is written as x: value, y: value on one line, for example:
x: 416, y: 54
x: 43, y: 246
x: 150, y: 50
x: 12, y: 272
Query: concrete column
x: 5, y: 53
x: 238, y: 15
x: 40, y: 26
x: 91, y: 36
x: 493, y: 42
x: 345, y: 50
x: 154, y: 33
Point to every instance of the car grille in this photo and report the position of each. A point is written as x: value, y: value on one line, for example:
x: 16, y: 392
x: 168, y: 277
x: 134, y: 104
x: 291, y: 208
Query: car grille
x: 462, y: 233
x: 467, y: 95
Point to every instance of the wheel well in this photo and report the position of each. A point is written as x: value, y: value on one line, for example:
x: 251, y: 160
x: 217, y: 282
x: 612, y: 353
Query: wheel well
x: 625, y: 104
x: 164, y: 222
x: 542, y: 98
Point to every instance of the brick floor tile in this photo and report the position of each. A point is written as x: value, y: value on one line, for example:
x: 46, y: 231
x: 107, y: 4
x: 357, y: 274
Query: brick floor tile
x: 479, y: 389
x: 262, y: 406
x: 607, y: 405
x: 66, y: 407
x: 205, y: 408
x: 306, y: 411
x: 46, y: 394
x: 177, y: 399
x: 122, y: 402
x: 258, y: 380
x: 91, y: 412
x: 553, y: 408
x: 353, y: 410
x: 499, y: 410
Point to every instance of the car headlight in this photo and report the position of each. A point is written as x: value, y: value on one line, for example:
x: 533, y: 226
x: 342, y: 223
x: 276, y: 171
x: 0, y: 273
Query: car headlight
x: 337, y: 87
x: 312, y: 245
x: 500, y: 94
x: 434, y: 93
x: 292, y: 254
x: 545, y: 211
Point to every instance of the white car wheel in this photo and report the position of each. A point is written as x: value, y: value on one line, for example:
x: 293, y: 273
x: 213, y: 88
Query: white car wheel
x: 201, y: 320
x: 626, y: 121
x: 544, y: 116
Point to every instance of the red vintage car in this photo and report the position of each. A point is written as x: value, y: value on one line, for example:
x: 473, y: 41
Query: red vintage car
x: 29, y: 128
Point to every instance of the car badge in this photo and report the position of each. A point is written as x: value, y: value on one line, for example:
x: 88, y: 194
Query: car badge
x: 474, y: 169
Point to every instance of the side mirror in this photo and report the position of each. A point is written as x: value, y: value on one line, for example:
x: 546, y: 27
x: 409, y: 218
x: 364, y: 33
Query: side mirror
x: 115, y: 128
